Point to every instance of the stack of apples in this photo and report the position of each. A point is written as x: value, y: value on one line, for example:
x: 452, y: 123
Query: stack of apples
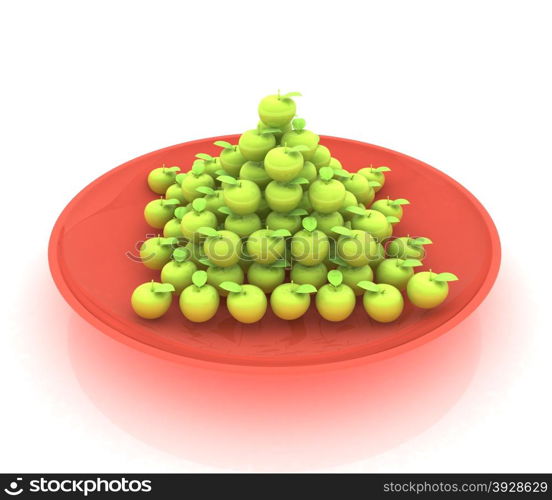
x: 276, y: 215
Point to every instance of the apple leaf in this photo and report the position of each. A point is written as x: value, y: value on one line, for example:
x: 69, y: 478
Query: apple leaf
x: 280, y: 233
x: 445, y: 277
x: 172, y: 169
x: 339, y: 172
x: 291, y: 94
x: 297, y: 149
x: 357, y: 210
x: 199, y: 204
x: 204, y: 156
x: 382, y: 169
x: 306, y: 288
x: 227, y: 179
x: 179, y: 178
x: 399, y: 201
x: 162, y: 288
x: 221, y: 171
x: 223, y: 144
x: 392, y: 220
x: 374, y: 184
x: 299, y: 180
x: 309, y: 223
x: 420, y: 241
x: 199, y: 278
x: 205, y: 261
x: 411, y: 263
x: 298, y: 124
x: 225, y: 210
x: 180, y: 211
x: 335, y: 277
x: 297, y: 212
x: 230, y: 286
x: 208, y: 231
x: 342, y: 230
x: 326, y: 173
x: 180, y: 254
x: 279, y: 263
x: 205, y: 190
x: 171, y: 201
x: 369, y: 286
x: 167, y: 242
x: 269, y: 130
x: 198, y: 168
x: 339, y: 261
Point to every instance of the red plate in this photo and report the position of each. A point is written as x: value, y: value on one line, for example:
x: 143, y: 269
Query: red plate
x: 94, y: 237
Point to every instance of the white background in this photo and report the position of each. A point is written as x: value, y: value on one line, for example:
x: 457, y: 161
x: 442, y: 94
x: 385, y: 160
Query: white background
x: 465, y: 86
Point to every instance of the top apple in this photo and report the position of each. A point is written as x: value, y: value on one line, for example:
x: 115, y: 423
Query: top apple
x: 278, y: 110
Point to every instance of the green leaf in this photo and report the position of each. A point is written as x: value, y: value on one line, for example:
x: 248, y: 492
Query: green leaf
x: 411, y: 263
x: 225, y: 210
x: 180, y: 211
x: 399, y: 201
x: 306, y: 288
x: 171, y: 201
x: 204, y: 156
x: 339, y: 172
x: 280, y: 233
x: 198, y: 168
x: 291, y: 94
x: 298, y: 148
x: 356, y: 210
x: 208, y: 231
x: 339, y: 261
x: 179, y: 178
x: 167, y: 242
x: 223, y: 144
x: 199, y: 278
x: 420, y: 241
x: 298, y: 124
x: 392, y: 220
x: 205, y: 190
x: 374, y: 184
x: 269, y: 130
x: 227, y: 179
x: 445, y: 277
x: 172, y: 169
x: 279, y: 263
x: 309, y: 223
x: 382, y: 169
x: 299, y: 180
x: 370, y: 286
x: 342, y: 230
x: 181, y: 254
x: 221, y: 171
x: 326, y: 173
x: 230, y: 286
x: 163, y: 288
x: 297, y: 212
x: 206, y: 262
x: 335, y: 277
x: 199, y: 204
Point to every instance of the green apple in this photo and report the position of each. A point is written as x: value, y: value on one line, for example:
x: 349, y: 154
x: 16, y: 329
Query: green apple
x: 288, y: 220
x: 349, y: 201
x: 406, y: 247
x: 335, y: 301
x: 195, y: 249
x: 195, y: 218
x: 246, y: 303
x: 325, y: 222
x: 195, y: 178
x: 373, y: 222
x: 152, y: 300
x: 352, y: 275
x: 240, y: 196
x: 277, y: 110
x: 299, y: 136
x: 312, y: 275
x: 283, y: 163
x: 211, y: 163
x: 267, y: 278
x: 309, y: 246
x: 174, y: 191
x: 199, y: 302
x: 242, y: 225
x: 332, y: 255
x: 396, y: 272
x: 428, y: 289
x: 263, y: 209
x: 356, y: 247
x: 290, y: 301
x: 266, y: 246
x: 256, y: 172
x: 222, y: 248
x: 383, y: 303
x: 178, y: 272
x: 217, y: 275
x: 214, y: 199
x: 321, y: 157
x: 326, y: 194
x: 159, y: 179
x: 277, y: 135
x: 362, y: 188
x: 390, y: 207
x: 158, y: 212
x: 305, y: 203
x: 256, y: 143
x: 156, y: 252
x: 284, y: 197
x: 335, y: 164
x: 378, y: 258
x: 375, y: 174
x: 172, y: 229
x: 231, y: 160
x: 308, y: 172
